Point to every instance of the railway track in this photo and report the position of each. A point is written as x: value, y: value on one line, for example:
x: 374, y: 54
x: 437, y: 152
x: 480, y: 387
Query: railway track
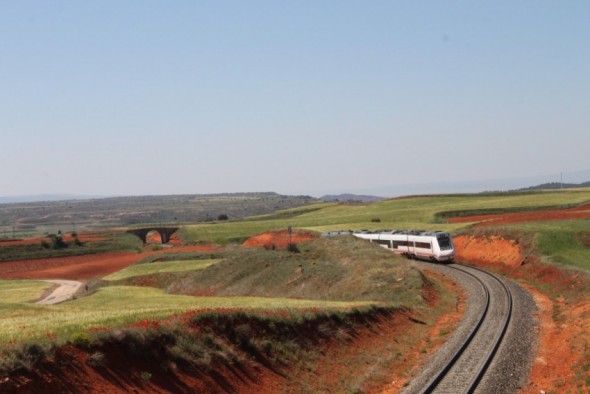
x: 468, y: 356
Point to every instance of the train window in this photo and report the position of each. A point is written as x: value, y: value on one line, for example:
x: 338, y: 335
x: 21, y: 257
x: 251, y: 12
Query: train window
x: 397, y: 244
x: 444, y: 241
x: 423, y: 245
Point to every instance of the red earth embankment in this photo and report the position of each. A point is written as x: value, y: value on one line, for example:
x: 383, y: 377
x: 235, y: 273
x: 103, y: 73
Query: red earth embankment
x: 564, y: 325
x: 279, y: 239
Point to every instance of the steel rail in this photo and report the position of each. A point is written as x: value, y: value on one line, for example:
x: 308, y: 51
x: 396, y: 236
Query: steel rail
x: 500, y: 336
x: 434, y: 382
x: 476, y: 379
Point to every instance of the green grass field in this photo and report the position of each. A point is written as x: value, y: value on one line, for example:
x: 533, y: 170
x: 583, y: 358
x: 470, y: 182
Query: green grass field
x: 160, y: 267
x: 115, y: 306
x: 564, y: 242
x: 399, y: 213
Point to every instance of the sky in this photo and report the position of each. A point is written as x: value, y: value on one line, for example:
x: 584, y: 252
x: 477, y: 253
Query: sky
x: 297, y: 97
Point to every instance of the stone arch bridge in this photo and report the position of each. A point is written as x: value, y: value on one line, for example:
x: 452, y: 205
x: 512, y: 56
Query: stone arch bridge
x: 165, y: 233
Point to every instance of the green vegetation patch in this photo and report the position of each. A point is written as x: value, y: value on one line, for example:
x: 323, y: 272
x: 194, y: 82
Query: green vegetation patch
x: 203, y: 339
x: 19, y: 292
x: 335, y: 268
x: 160, y: 267
x: 563, y: 242
x: 116, y: 306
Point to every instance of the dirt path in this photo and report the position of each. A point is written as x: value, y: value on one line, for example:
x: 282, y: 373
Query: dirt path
x: 64, y: 292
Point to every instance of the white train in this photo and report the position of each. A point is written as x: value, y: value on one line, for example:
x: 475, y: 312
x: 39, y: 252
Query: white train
x: 425, y: 245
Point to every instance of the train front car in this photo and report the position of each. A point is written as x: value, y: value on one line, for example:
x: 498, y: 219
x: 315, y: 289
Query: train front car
x: 446, y: 249
x: 417, y: 244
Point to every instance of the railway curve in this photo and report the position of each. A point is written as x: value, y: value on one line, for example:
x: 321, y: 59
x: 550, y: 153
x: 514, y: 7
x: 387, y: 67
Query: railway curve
x: 492, y: 348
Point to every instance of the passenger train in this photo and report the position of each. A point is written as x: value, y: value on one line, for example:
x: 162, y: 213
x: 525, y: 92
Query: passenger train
x: 424, y: 245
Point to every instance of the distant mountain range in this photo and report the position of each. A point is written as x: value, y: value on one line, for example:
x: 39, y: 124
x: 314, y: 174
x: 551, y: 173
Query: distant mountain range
x: 351, y: 197
x: 172, y: 210
x: 45, y: 197
x: 556, y: 185
x: 347, y: 197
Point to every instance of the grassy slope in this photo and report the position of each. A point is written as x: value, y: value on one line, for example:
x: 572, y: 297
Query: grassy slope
x: 563, y: 242
x: 115, y: 306
x: 160, y: 267
x: 337, y: 272
x: 336, y: 268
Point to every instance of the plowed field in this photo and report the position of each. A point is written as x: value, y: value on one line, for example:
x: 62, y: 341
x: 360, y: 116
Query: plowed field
x: 82, y: 267
x: 581, y: 212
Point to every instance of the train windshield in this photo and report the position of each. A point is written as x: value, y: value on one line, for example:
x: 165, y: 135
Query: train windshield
x: 444, y: 241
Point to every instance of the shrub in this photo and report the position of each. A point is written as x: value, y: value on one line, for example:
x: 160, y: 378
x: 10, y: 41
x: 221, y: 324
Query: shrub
x: 376, y: 220
x: 293, y: 248
x: 80, y: 339
x: 146, y: 376
x: 34, y: 352
x: 57, y: 241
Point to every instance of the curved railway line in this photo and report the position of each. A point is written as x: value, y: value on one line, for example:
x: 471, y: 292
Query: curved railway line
x: 462, y: 365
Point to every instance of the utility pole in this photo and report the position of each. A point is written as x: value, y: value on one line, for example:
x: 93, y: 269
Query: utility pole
x: 560, y: 180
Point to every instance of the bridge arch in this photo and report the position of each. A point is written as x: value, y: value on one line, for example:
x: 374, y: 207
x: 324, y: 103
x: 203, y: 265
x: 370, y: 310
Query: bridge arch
x: 165, y: 233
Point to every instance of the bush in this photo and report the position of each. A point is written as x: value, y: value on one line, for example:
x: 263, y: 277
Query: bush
x: 376, y: 220
x: 293, y: 248
x: 80, y: 339
x: 146, y: 376
x: 57, y: 241
x: 34, y: 352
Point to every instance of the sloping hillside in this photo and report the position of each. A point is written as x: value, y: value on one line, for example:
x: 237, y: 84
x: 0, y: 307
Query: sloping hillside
x: 336, y: 268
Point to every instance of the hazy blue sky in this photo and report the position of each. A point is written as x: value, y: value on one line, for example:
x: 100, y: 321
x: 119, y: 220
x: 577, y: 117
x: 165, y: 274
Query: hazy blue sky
x: 297, y: 97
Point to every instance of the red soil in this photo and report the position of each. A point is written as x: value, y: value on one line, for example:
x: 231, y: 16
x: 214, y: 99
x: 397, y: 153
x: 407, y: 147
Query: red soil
x: 70, y: 372
x: 279, y: 239
x: 564, y: 326
x: 82, y: 267
x: 491, y: 250
x: 580, y: 212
